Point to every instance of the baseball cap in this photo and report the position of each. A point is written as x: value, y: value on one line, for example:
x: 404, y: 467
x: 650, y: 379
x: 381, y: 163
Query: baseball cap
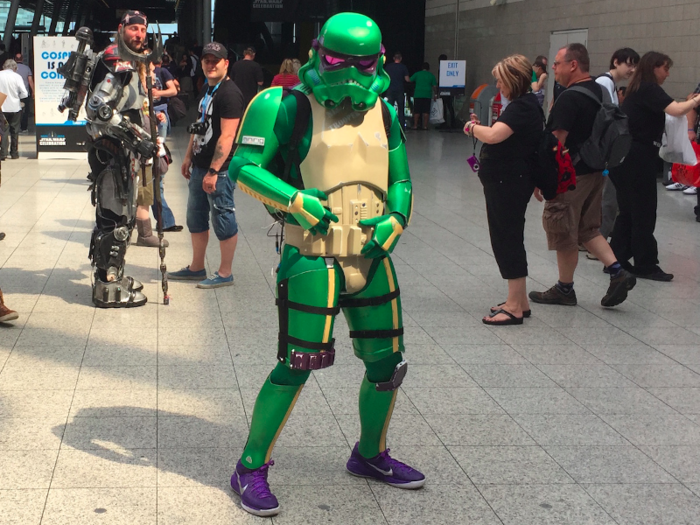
x: 215, y: 49
x: 133, y: 17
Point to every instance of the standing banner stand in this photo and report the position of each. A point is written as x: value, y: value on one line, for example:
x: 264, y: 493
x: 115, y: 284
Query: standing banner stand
x: 56, y: 137
x: 453, y: 77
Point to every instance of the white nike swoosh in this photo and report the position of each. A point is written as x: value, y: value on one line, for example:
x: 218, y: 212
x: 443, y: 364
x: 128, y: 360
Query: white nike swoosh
x: 389, y: 472
x: 243, y: 489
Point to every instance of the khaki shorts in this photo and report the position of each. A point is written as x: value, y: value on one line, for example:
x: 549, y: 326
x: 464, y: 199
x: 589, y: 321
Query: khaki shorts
x: 144, y: 196
x: 574, y: 217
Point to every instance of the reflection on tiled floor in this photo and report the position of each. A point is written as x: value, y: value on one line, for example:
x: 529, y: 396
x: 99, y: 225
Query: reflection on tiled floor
x: 581, y: 416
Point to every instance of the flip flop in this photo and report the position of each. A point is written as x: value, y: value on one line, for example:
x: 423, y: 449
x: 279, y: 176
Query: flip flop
x: 526, y: 313
x: 512, y: 320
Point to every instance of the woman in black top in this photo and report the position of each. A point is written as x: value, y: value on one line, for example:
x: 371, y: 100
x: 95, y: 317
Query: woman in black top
x: 646, y: 104
x: 505, y: 172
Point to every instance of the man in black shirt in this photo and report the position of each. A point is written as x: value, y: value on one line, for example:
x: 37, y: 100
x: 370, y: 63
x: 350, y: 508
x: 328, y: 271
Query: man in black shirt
x: 248, y: 75
x: 398, y: 73
x: 574, y: 217
x: 205, y: 166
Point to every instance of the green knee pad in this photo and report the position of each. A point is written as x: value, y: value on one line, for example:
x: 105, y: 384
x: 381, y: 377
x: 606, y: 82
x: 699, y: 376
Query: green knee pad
x: 272, y: 409
x: 376, y: 407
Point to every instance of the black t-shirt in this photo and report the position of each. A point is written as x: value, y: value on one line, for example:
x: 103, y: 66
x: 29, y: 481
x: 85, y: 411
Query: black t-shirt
x: 575, y: 112
x: 163, y: 76
x: 524, y: 116
x: 246, y: 74
x: 226, y: 102
x: 645, y: 110
x: 397, y: 74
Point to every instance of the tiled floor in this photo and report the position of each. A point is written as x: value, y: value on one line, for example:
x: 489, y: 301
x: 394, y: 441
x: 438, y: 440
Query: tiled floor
x: 581, y: 416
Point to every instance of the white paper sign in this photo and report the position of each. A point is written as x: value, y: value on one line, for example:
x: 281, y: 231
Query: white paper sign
x: 453, y: 74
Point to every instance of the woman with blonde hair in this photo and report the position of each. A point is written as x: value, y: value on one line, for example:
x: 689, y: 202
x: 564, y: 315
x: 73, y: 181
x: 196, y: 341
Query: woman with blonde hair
x: 286, y: 78
x: 506, y: 164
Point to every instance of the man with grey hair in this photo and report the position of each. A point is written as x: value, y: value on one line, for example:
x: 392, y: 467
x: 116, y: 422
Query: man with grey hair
x: 13, y: 86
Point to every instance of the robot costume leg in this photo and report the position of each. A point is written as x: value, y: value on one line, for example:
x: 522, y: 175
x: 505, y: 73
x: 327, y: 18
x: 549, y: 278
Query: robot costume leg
x: 113, y: 197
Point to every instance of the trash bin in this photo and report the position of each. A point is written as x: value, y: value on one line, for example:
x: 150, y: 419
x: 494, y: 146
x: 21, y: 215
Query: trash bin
x: 480, y: 102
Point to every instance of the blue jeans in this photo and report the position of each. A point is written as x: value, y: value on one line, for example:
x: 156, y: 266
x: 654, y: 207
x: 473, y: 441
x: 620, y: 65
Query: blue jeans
x: 168, y: 217
x: 220, y: 205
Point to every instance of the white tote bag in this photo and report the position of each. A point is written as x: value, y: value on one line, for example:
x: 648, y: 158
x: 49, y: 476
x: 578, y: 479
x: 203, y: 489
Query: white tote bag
x: 437, y: 112
x: 675, y: 145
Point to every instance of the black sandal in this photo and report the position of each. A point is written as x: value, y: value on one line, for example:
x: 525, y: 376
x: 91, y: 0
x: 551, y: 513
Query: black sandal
x: 526, y: 313
x: 512, y: 320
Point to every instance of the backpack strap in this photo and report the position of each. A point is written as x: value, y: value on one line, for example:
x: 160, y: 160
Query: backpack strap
x: 587, y: 92
x: 301, y: 122
x: 386, y: 118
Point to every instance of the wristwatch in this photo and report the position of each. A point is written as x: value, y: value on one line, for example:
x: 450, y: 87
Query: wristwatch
x: 212, y: 171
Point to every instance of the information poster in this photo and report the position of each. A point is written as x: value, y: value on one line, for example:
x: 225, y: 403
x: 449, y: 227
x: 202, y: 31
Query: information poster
x: 56, y: 136
x: 453, y: 76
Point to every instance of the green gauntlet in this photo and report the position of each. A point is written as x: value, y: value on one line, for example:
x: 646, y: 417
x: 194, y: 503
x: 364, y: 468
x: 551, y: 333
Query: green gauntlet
x: 306, y: 208
x: 387, y: 230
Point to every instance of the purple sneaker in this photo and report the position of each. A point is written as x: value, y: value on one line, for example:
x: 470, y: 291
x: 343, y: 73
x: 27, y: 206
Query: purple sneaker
x: 384, y: 468
x: 251, y: 485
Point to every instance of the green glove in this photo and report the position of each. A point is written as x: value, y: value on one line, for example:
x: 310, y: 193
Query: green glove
x: 387, y: 230
x: 305, y: 206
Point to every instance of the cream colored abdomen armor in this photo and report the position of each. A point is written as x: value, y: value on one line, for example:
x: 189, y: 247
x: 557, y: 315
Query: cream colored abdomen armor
x: 349, y: 161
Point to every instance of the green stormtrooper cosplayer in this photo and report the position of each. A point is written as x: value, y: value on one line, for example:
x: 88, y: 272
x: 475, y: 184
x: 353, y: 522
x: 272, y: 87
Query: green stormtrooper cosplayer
x: 330, y: 157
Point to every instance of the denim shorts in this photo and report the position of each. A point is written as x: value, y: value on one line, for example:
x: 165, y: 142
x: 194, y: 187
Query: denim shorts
x: 219, y: 204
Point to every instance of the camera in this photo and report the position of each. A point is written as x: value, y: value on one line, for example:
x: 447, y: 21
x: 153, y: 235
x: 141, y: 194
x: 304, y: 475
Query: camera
x: 198, y: 128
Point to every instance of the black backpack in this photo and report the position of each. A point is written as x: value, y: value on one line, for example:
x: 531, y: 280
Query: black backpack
x: 610, y: 140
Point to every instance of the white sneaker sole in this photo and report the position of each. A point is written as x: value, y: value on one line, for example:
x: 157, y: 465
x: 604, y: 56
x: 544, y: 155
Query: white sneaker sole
x: 261, y: 513
x: 411, y: 485
x: 9, y: 317
x: 217, y: 285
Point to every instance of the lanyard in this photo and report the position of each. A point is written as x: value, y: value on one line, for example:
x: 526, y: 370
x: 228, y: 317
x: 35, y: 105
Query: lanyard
x: 204, y: 105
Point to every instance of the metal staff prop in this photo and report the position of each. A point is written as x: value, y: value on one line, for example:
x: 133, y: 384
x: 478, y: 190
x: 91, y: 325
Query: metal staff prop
x: 147, y: 59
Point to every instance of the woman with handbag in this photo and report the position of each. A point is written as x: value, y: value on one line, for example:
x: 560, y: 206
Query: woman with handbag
x: 646, y: 104
x: 506, y: 165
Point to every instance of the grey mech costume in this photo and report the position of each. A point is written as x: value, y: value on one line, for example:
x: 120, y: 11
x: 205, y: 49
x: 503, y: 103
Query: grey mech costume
x: 117, y: 156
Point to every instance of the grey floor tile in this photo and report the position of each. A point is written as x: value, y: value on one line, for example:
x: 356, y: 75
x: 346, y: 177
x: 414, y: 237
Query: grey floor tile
x: 544, y: 505
x: 536, y: 401
x: 484, y: 355
x: 585, y: 376
x: 613, y: 464
x: 46, y: 356
x: 507, y: 465
x: 426, y: 376
x: 196, y: 377
x: 32, y: 434
x: 637, y: 354
x: 599, y: 335
x: 333, y: 505
x: 513, y: 376
x: 129, y: 355
x: 433, y: 505
x: 114, y: 467
x: 404, y: 430
x: 685, y: 400
x: 117, y: 378
x: 619, y: 400
x: 435, y: 462
x: 200, y: 402
x: 647, y: 504
x: 301, y: 465
x: 26, y: 469
x: 195, y: 467
x: 662, y: 336
x: 460, y: 335
x: 191, y: 431
x: 494, y: 430
x: 430, y: 354
x: 42, y: 378
x: 564, y: 354
x: 35, y: 404
x: 314, y: 430
x: 94, y: 433
x: 646, y: 429
x: 437, y: 401
x: 193, y: 355
x: 345, y: 401
x: 126, y: 506
x: 553, y: 429
x: 22, y: 507
x: 684, y: 354
x: 528, y: 336
x: 679, y: 461
x: 663, y: 376
x: 114, y: 403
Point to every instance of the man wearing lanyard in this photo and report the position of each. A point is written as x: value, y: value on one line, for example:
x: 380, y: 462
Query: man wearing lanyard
x: 205, y: 166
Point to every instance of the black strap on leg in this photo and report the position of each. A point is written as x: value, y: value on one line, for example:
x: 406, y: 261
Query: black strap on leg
x: 283, y: 316
x: 369, y: 301
x: 376, y: 334
x: 320, y: 310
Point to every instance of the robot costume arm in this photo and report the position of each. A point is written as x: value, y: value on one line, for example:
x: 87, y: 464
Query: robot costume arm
x: 399, y: 202
x: 104, y: 118
x: 268, y: 123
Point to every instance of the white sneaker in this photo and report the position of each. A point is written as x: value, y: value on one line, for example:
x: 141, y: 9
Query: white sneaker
x: 676, y: 186
x: 690, y: 190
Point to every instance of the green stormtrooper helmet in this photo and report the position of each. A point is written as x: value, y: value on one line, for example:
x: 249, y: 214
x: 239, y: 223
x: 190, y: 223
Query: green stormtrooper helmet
x: 347, y: 61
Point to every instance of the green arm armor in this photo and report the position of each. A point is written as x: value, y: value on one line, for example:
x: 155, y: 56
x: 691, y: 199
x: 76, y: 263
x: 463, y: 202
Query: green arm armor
x: 399, y: 201
x: 257, y: 145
